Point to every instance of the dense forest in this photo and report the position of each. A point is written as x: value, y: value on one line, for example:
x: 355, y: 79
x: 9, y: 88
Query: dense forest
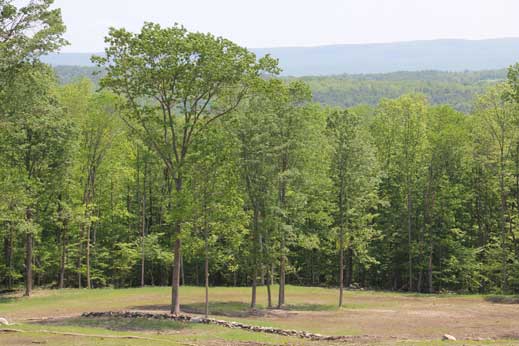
x: 456, y: 89
x: 192, y: 163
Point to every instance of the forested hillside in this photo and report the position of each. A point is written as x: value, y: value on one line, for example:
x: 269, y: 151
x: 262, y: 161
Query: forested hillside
x: 456, y: 89
x: 186, y: 165
x: 442, y: 55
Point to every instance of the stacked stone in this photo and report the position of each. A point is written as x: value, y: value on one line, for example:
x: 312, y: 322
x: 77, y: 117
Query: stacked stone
x: 227, y: 324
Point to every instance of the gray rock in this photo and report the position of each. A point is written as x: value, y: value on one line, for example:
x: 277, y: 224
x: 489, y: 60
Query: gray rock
x: 448, y: 337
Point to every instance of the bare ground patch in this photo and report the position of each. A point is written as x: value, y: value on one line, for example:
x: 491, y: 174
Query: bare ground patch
x: 376, y: 316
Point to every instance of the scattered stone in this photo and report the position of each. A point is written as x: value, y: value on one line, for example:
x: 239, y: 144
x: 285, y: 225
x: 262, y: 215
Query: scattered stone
x: 3, y: 321
x: 448, y: 337
x: 227, y: 324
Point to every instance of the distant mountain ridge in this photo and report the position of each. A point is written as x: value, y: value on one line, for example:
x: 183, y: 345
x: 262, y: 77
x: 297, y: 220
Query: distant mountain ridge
x: 440, y: 55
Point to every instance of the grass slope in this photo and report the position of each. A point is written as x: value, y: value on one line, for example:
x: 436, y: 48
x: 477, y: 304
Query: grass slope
x: 376, y: 317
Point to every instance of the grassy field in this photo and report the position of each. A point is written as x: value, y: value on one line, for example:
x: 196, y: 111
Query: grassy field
x: 380, y: 318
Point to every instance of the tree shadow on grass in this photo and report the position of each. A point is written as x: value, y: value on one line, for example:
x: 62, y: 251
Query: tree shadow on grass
x: 7, y: 300
x: 228, y: 309
x: 310, y: 307
x: 236, y: 309
x: 9, y: 296
x: 503, y: 299
x: 118, y: 323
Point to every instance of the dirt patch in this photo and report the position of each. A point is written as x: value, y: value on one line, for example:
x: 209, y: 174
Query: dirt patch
x: 409, y: 318
x: 382, y: 316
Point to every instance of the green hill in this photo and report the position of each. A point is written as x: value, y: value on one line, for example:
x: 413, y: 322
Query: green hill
x: 453, y: 88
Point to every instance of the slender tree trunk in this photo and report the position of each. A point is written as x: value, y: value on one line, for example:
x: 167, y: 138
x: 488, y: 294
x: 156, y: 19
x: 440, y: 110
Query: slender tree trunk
x: 282, y: 264
x: 341, y: 266
x: 269, y: 271
x: 254, y: 284
x: 206, y: 271
x: 341, y: 233
x: 63, y: 257
x: 79, y: 255
x: 87, y: 255
x: 430, y: 268
x: 175, y: 302
x: 175, y: 282
x: 255, y: 254
x: 28, y: 263
x: 142, y: 254
x: 262, y: 268
x: 283, y: 259
x: 409, y: 237
x: 28, y: 255
x: 420, y: 259
x: 269, y: 293
x: 143, y: 223
x: 502, y: 211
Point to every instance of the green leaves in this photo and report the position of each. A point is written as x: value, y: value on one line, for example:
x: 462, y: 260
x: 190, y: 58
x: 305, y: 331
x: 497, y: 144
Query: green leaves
x: 28, y: 30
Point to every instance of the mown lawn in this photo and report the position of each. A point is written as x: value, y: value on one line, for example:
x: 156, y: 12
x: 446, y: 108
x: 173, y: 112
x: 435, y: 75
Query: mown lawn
x: 374, y: 317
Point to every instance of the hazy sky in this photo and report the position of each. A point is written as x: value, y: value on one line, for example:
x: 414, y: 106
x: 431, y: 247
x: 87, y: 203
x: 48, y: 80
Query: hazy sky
x: 271, y: 23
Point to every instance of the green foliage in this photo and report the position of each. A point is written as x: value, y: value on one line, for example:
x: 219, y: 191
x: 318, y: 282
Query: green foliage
x: 28, y: 30
x: 456, y: 89
x: 194, y: 141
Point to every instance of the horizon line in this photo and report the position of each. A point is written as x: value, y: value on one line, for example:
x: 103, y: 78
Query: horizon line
x: 344, y: 44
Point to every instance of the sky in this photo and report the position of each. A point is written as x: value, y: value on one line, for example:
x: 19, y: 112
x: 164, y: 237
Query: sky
x: 284, y: 23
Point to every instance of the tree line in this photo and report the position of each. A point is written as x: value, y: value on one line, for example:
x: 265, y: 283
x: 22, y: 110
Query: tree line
x: 456, y: 89
x: 194, y: 164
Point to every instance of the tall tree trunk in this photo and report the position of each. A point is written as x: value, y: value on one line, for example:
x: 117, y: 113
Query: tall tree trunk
x: 283, y: 259
x: 254, y: 284
x: 341, y: 268
x: 421, y: 260
x: 28, y: 256
x: 262, y: 268
x: 143, y: 223
x: 63, y: 255
x: 28, y: 264
x: 409, y: 235
x: 87, y: 255
x: 206, y: 271
x: 142, y: 258
x: 502, y: 211
x: 269, y: 282
x: 282, y: 264
x: 341, y: 234
x: 269, y: 271
x: 175, y: 282
x: 79, y: 255
x: 255, y: 226
x: 430, y: 268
